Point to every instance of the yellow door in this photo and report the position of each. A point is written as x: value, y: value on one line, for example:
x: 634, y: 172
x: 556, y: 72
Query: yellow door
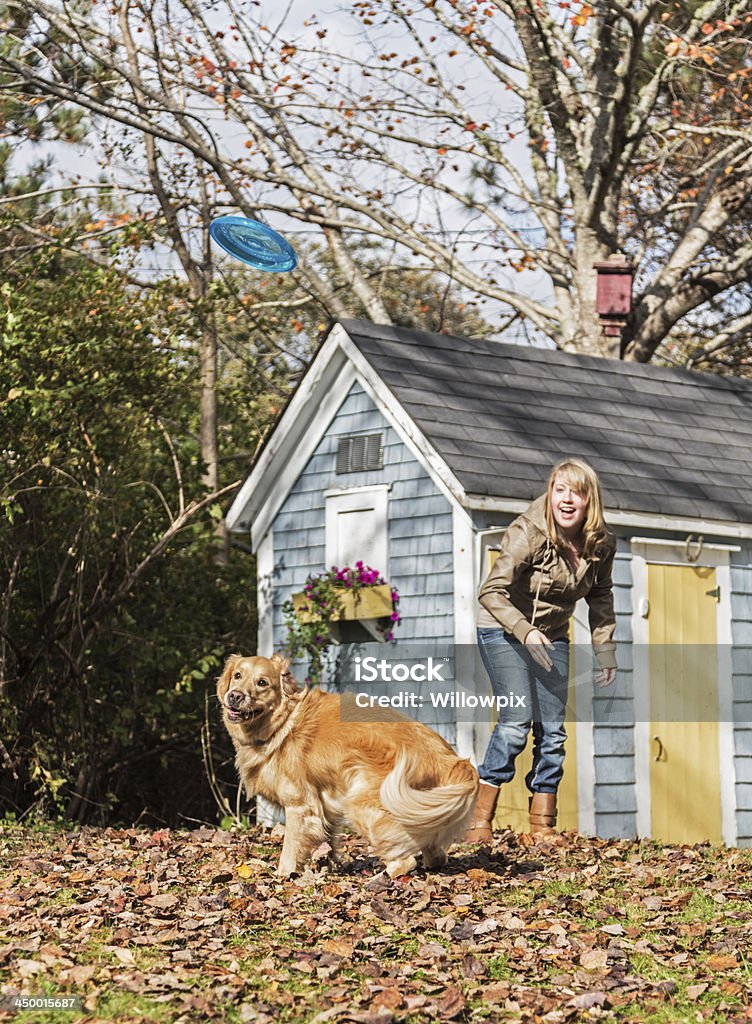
x: 685, y: 790
x: 511, y: 810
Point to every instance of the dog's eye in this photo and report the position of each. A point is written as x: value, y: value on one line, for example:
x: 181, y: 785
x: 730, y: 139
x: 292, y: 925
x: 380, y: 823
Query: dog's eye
x: 262, y: 682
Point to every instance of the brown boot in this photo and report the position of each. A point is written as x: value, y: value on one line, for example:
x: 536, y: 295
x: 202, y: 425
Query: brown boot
x: 485, y: 808
x: 542, y: 812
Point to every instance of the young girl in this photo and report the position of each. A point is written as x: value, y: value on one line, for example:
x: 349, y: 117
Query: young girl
x: 556, y: 552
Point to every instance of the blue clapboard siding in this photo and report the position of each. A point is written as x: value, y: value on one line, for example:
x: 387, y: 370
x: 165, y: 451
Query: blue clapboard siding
x: 741, y: 631
x: 613, y: 717
x: 419, y: 531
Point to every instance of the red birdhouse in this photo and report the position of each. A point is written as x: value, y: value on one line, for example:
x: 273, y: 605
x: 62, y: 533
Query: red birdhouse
x: 613, y: 297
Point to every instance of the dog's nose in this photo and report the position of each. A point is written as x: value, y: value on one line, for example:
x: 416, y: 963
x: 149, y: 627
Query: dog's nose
x: 235, y: 698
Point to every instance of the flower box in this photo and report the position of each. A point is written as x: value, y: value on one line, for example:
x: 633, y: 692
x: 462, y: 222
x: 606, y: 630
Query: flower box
x: 349, y: 605
x: 370, y: 602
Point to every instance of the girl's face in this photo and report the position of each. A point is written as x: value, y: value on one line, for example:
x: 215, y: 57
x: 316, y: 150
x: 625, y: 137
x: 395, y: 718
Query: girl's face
x: 569, y: 508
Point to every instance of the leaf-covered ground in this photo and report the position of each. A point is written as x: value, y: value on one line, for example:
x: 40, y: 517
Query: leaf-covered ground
x: 184, y: 926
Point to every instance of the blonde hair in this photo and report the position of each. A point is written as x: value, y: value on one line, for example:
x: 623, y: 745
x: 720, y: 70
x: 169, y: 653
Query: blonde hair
x: 583, y: 479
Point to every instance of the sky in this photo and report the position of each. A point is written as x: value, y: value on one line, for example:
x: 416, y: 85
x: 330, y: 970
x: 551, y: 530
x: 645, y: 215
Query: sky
x: 89, y: 163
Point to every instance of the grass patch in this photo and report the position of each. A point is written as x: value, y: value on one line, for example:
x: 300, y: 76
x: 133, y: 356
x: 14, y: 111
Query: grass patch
x: 701, y: 907
x: 557, y: 888
x: 130, y: 1005
x: 499, y: 968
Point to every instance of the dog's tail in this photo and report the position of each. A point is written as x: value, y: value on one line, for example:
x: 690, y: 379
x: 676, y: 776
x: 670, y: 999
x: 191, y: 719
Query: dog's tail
x: 440, y: 814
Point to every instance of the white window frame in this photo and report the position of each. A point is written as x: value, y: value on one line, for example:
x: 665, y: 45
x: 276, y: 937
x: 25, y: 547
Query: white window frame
x: 359, y: 499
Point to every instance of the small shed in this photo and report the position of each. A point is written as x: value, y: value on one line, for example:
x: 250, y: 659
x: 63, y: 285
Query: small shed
x: 413, y: 451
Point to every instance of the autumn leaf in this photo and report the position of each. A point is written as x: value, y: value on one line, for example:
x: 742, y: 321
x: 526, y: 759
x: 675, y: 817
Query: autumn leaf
x: 721, y: 962
x: 672, y: 48
x: 389, y: 998
x: 450, y: 1004
x: 594, y: 960
x: 695, y: 991
x: 164, y: 901
x: 583, y: 17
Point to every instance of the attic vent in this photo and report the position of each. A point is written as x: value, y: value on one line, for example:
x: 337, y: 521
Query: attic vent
x: 360, y: 452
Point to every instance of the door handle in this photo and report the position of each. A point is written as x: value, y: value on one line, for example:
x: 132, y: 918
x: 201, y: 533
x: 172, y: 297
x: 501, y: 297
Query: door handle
x: 661, y: 752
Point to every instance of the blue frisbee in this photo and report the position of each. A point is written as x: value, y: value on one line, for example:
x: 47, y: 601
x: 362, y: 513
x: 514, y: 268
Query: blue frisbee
x: 253, y: 243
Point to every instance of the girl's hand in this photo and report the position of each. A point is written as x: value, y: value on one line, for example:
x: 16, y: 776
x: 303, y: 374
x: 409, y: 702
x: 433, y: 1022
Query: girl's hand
x: 536, y: 643
x: 605, y: 677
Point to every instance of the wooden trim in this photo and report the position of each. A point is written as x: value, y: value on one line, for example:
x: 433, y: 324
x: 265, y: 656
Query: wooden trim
x: 465, y: 590
x: 724, y: 639
x: 267, y: 813
x: 641, y: 696
x: 264, y: 594
x: 635, y: 520
x: 584, y: 725
x: 666, y: 543
x: 338, y: 492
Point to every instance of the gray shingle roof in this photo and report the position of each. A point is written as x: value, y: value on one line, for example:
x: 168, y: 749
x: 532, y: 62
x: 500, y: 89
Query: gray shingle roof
x: 666, y: 441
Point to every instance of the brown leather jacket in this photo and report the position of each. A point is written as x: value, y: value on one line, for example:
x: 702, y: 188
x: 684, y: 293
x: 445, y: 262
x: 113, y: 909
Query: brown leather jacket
x: 532, y: 586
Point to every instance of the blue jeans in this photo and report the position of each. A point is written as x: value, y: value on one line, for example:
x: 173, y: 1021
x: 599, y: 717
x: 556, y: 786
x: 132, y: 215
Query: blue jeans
x: 514, y: 674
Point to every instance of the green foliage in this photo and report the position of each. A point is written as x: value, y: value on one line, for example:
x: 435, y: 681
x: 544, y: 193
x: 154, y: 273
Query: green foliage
x: 104, y: 663
x: 29, y: 111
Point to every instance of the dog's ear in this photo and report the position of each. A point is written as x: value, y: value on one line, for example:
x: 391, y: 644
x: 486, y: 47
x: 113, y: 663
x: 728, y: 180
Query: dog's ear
x: 289, y: 685
x: 280, y: 662
x: 224, y: 679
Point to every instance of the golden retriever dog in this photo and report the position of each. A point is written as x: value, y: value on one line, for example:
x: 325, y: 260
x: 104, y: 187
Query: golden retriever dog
x: 392, y: 780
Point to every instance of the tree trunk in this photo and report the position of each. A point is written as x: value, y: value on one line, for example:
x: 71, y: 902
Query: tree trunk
x: 209, y: 444
x: 587, y: 335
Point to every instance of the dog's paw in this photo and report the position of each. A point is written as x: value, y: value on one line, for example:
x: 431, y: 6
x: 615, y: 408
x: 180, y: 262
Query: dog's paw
x: 403, y: 866
x: 434, y: 859
x: 286, y: 870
